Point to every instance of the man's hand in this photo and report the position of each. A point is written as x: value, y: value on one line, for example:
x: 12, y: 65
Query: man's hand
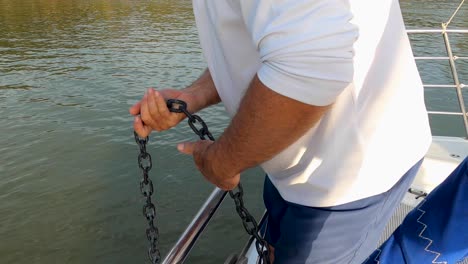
x: 208, y: 163
x: 151, y: 113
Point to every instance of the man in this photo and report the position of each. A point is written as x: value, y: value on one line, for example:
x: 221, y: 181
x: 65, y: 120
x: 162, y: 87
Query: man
x: 325, y: 96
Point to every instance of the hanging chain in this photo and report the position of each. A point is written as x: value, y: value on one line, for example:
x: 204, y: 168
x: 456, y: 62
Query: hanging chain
x: 147, y: 189
x: 250, y: 225
x: 249, y: 222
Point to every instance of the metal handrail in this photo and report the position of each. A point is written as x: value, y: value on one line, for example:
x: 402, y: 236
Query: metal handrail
x: 416, y: 31
x: 182, y: 247
x: 445, y: 113
x: 443, y: 85
x: 451, y: 58
x: 461, y: 102
x: 440, y: 58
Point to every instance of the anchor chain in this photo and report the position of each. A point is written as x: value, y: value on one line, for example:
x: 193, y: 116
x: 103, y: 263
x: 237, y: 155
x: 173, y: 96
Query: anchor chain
x: 250, y: 225
x: 147, y: 189
x: 248, y: 221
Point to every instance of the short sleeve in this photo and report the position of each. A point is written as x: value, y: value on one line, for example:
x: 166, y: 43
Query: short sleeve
x: 306, y: 48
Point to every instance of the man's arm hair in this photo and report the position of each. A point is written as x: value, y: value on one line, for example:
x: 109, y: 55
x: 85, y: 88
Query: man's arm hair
x: 265, y: 124
x: 205, y: 92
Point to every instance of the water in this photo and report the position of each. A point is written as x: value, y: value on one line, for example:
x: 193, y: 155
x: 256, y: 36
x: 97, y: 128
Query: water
x: 430, y: 14
x: 69, y: 70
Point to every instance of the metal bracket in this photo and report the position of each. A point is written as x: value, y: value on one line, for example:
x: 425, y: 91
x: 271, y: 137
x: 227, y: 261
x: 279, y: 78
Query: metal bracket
x: 418, y: 193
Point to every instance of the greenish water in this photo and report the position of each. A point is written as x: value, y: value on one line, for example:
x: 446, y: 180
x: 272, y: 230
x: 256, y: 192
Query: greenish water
x: 69, y: 70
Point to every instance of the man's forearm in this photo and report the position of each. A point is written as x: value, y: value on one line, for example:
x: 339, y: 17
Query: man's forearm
x: 205, y: 92
x: 265, y: 124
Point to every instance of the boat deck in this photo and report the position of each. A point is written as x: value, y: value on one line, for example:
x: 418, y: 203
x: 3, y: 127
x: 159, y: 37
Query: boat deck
x: 443, y: 156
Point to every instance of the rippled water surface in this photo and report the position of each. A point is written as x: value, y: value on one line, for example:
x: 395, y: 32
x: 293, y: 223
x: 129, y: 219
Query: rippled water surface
x: 69, y: 70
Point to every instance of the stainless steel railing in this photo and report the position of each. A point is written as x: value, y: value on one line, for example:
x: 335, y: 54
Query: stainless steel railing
x: 182, y: 247
x: 451, y: 58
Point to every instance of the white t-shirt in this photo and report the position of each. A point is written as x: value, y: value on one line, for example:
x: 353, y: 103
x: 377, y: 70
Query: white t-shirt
x: 354, y: 54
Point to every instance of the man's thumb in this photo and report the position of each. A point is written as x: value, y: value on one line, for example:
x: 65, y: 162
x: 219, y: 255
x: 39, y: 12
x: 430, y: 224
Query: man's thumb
x: 186, y: 147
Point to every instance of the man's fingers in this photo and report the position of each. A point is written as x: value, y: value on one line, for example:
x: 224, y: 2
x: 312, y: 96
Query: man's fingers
x: 186, y: 147
x: 135, y: 109
x: 153, y: 111
x: 145, y: 113
x: 191, y: 147
x: 141, y: 129
x: 158, y: 109
x: 229, y: 184
x: 161, y: 104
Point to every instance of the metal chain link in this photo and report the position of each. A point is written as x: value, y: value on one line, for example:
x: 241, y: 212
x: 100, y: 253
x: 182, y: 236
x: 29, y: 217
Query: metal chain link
x: 248, y: 221
x: 250, y: 225
x: 192, y: 119
x: 147, y: 189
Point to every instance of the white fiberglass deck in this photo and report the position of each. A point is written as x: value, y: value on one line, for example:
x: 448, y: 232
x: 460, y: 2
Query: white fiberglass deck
x: 443, y: 156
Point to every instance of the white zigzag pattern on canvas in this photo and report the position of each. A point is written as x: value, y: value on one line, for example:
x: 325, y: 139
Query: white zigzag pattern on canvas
x: 378, y: 254
x: 434, y: 261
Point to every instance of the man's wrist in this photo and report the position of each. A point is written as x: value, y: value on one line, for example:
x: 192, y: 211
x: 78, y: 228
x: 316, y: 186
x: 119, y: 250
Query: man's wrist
x: 203, y: 91
x: 197, y: 103
x: 221, y: 162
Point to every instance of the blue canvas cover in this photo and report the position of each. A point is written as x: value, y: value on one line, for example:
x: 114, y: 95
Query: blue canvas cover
x: 434, y: 232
